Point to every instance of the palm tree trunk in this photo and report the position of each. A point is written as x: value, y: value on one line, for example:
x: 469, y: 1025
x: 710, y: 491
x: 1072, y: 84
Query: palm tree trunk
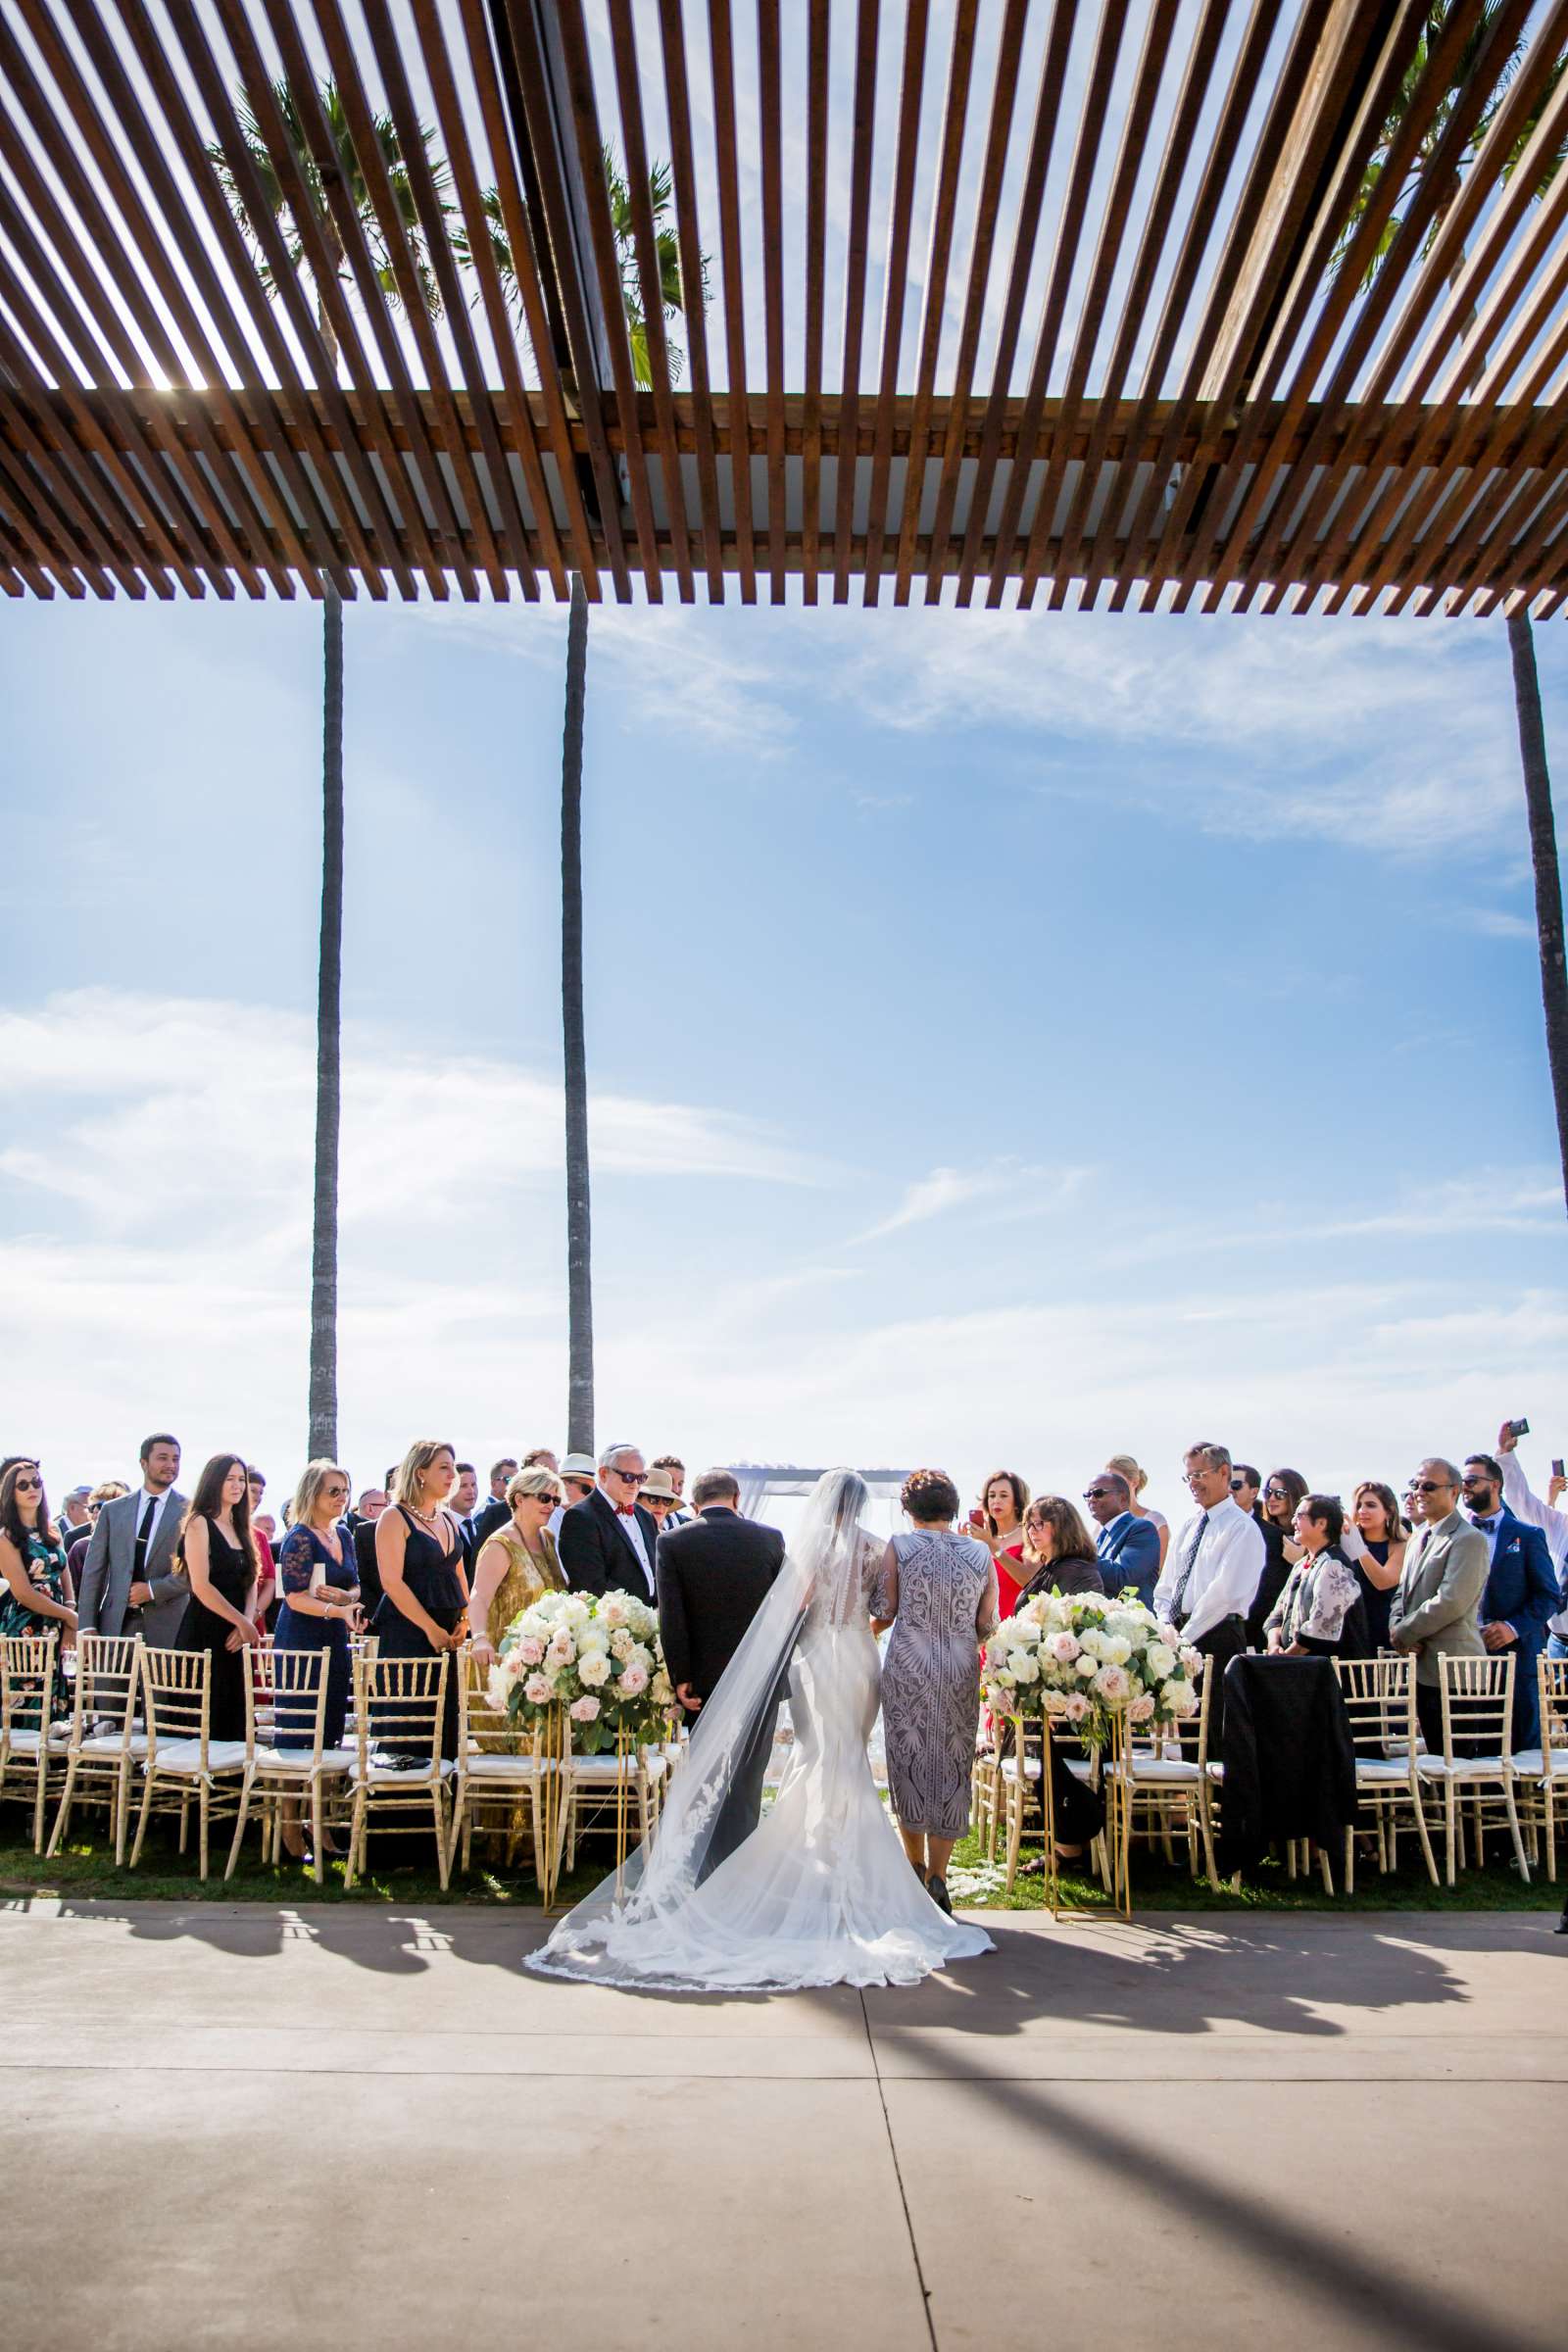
x: 1544, y: 859
x: 579, y: 1266
x: 329, y: 1067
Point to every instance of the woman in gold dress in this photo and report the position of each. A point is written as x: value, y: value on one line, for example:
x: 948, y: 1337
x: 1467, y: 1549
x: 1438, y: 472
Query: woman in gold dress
x: 518, y: 1563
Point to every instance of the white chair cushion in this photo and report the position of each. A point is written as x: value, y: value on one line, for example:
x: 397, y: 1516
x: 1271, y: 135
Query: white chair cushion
x: 185, y: 1755
x: 412, y: 1777
x: 1464, y: 1768
x: 1380, y: 1772
x: 1031, y: 1768
x: 1533, y: 1764
x: 295, y: 1762
x: 112, y: 1743
x: 494, y: 1766
x: 26, y: 1743
x: 603, y: 1767
x: 1168, y: 1770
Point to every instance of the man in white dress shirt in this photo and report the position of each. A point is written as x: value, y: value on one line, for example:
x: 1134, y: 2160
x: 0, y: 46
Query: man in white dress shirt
x: 1534, y: 1511
x: 1212, y: 1572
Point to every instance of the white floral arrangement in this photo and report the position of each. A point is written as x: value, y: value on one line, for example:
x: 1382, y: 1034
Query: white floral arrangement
x: 598, y: 1656
x: 1086, y: 1662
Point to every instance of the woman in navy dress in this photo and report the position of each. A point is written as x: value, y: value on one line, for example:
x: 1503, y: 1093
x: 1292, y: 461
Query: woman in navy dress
x: 424, y: 1588
x: 317, y: 1597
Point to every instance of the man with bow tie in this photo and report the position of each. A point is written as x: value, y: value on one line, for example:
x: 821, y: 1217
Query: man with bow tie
x: 606, y: 1542
x: 1521, y: 1590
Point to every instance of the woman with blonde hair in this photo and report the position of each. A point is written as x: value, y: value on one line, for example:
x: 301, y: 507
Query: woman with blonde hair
x: 318, y: 1590
x: 518, y: 1562
x: 1137, y: 1479
x: 419, y: 1555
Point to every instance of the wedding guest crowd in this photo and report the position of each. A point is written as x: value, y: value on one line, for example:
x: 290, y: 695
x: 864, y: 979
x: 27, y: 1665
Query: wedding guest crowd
x: 1473, y: 1563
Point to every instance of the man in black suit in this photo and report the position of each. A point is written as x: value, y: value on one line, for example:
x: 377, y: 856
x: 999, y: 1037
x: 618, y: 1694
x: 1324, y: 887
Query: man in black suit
x: 497, y: 1509
x: 606, y: 1540
x: 713, y: 1576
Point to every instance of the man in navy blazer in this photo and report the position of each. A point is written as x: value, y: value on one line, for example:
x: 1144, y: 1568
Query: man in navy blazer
x: 1128, y: 1546
x: 1521, y: 1589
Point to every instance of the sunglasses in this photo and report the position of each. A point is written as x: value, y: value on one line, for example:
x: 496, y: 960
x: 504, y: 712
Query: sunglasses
x: 1237, y: 1484
x: 1098, y: 1495
x: 1427, y: 1485
x: 29, y: 1486
x: 631, y: 1478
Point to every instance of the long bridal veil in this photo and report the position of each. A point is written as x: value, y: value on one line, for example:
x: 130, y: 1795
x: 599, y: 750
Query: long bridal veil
x: 821, y: 1892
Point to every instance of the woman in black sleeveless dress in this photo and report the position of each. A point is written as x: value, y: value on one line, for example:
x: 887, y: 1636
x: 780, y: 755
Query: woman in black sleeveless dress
x: 425, y: 1589
x: 218, y: 1556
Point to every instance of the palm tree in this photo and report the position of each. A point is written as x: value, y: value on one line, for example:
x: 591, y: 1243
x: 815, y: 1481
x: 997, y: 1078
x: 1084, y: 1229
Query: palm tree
x: 1521, y: 637
x: 579, y: 1260
x: 282, y: 210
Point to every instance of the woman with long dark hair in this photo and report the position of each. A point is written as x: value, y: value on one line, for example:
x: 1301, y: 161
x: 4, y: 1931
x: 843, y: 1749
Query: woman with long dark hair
x: 1004, y: 1500
x: 33, y: 1566
x: 217, y: 1553
x: 1384, y: 1533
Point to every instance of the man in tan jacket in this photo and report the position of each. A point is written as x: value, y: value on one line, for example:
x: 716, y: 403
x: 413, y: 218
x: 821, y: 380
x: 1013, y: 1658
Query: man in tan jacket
x: 1439, y: 1593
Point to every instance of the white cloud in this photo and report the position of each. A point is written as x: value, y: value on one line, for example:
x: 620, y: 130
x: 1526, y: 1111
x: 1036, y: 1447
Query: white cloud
x: 1495, y: 922
x: 1025, y: 1190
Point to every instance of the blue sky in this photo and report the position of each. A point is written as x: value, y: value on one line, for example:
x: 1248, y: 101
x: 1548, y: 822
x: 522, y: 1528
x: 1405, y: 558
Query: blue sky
x: 1013, y: 1037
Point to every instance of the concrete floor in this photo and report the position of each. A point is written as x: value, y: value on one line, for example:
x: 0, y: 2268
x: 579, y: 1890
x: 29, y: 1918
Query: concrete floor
x: 329, y: 2128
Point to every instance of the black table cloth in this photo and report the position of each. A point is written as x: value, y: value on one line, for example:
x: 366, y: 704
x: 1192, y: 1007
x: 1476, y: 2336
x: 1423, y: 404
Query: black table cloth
x: 1290, y: 1761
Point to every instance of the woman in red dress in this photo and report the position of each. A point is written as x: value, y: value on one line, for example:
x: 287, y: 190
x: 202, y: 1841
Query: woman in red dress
x: 999, y: 1524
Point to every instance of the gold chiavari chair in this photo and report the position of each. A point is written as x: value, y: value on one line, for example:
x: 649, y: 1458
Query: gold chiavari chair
x: 183, y: 1761
x: 31, y: 1741
x: 399, y: 1773
x: 1167, y: 1784
x: 1378, y: 1696
x: 105, y: 1744
x: 617, y: 1788
x: 499, y: 1769
x: 1477, y: 1714
x: 1543, y: 1772
x: 287, y: 1695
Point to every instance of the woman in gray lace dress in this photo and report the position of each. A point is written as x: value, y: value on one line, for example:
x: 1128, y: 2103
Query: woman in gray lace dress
x: 939, y: 1592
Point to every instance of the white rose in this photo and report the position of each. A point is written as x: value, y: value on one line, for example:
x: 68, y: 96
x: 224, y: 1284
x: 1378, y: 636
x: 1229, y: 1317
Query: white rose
x: 622, y: 1643
x: 1026, y: 1668
x: 1086, y: 1666
x: 1063, y: 1646
x: 613, y: 1610
x: 593, y: 1668
x: 1158, y: 1660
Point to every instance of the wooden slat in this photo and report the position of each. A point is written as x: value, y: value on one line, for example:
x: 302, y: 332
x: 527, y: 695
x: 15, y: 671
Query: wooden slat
x: 336, y: 314
x: 590, y: 151
x: 721, y: 54
x: 1075, y: 204
x: 772, y: 193
x: 516, y: 550
x: 688, y: 229
x: 1092, y: 559
x: 169, y: 87
x: 1423, y: 213
x: 25, y: 513
x: 255, y: 493
x: 415, y: 309
x: 650, y: 282
x: 1158, y: 39
x: 817, y: 148
x: 77, y: 496
x: 1042, y: 142
x: 862, y: 143
x: 907, y: 159
x: 579, y: 303
x: 577, y: 540
x: 955, y: 115
x: 1179, y: 142
x: 456, y: 145
x: 1003, y: 98
x: 1328, y: 308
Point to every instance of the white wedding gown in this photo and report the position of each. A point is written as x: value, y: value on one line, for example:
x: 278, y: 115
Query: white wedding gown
x: 822, y: 1891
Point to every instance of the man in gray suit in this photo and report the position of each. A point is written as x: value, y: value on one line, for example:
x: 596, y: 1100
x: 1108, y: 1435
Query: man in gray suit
x: 1435, y: 1606
x: 129, y: 1583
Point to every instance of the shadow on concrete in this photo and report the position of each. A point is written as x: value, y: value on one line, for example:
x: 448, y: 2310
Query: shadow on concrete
x: 1387, y: 2306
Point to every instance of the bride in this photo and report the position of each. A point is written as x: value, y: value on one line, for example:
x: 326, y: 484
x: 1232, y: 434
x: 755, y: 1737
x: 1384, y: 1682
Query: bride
x: 821, y: 1892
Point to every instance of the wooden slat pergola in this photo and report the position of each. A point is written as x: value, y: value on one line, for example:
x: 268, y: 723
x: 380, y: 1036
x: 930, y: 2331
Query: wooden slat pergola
x: 1029, y: 294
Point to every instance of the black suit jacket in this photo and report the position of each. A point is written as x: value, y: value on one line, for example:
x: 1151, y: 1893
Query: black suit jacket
x: 596, y: 1557
x: 365, y: 1569
x: 1271, y: 1583
x: 714, y: 1577
x: 495, y: 1514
